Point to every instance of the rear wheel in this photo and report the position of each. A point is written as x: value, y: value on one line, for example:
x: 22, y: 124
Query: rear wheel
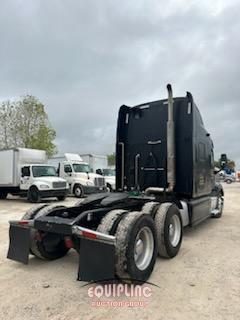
x: 136, y: 247
x: 47, y: 245
x: 110, y: 221
x: 169, y: 229
x: 78, y: 191
x: 150, y: 208
x: 3, y: 194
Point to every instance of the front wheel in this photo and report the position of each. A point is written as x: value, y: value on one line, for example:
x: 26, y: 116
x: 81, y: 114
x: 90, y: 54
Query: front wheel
x: 219, y: 206
x: 109, y: 188
x: 34, y: 195
x: 78, y: 191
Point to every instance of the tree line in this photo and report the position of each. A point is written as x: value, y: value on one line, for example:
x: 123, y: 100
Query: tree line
x: 24, y: 123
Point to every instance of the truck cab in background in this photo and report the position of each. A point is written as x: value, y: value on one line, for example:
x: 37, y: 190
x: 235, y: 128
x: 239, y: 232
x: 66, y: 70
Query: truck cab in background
x: 99, y: 164
x: 24, y: 172
x: 110, y: 177
x: 79, y: 176
x: 42, y: 181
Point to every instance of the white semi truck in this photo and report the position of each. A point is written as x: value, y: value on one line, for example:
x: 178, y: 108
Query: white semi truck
x: 25, y: 172
x: 99, y: 164
x: 78, y: 174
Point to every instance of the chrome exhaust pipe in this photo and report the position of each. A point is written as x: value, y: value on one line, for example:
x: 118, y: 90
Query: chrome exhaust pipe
x: 170, y: 142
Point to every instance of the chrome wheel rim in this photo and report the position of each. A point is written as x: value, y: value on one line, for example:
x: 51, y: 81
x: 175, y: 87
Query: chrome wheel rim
x: 143, y: 248
x: 174, y: 230
x: 78, y: 192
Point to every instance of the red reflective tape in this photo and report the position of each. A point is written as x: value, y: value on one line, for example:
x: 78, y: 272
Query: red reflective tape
x: 24, y: 222
x: 89, y: 235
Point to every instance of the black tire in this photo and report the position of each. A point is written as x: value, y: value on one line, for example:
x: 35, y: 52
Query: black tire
x: 78, y: 191
x: 34, y: 195
x: 126, y: 265
x: 109, y: 187
x: 3, y: 194
x: 61, y: 198
x: 169, y: 238
x: 31, y: 213
x: 110, y: 220
x: 150, y: 208
x: 228, y: 181
x: 47, y: 245
x: 220, y: 204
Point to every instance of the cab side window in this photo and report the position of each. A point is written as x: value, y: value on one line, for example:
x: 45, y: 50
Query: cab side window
x: 26, y: 172
x: 67, y: 168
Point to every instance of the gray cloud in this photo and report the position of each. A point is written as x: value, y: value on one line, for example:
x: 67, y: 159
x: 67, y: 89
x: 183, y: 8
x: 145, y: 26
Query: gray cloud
x: 83, y: 59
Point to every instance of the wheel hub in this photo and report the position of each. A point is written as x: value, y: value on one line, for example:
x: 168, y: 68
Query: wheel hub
x: 143, y: 248
x: 174, y: 230
x: 171, y: 230
x: 78, y: 191
x: 139, y: 247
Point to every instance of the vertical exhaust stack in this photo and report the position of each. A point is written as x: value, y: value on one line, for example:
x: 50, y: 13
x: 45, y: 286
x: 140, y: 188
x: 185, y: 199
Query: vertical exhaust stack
x: 170, y: 142
x: 171, y: 180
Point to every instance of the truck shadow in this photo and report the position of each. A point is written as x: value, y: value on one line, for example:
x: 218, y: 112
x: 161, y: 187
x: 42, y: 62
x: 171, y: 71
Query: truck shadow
x: 200, y: 228
x: 15, y: 199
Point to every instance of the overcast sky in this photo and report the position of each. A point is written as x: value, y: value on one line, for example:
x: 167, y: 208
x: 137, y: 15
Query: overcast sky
x: 83, y: 59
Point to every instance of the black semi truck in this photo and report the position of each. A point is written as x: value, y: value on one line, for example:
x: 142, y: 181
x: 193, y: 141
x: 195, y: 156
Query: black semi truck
x: 164, y: 182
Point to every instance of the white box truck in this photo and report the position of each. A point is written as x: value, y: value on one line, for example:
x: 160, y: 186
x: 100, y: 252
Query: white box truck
x: 78, y: 174
x: 99, y: 164
x: 25, y: 172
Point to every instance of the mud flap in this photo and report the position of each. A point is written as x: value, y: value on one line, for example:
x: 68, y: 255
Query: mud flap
x: 96, y: 260
x: 19, y: 245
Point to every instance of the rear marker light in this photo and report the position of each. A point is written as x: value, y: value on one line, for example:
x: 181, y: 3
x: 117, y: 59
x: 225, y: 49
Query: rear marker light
x: 23, y: 222
x: 89, y: 235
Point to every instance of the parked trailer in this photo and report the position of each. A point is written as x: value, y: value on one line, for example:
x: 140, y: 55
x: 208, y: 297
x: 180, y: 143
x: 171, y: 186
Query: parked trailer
x: 95, y: 161
x: 165, y: 181
x: 24, y: 172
